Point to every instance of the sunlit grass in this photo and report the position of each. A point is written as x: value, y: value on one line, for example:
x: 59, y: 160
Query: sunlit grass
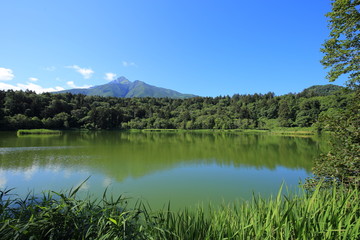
x: 322, y: 214
x: 293, y: 131
x: 37, y: 131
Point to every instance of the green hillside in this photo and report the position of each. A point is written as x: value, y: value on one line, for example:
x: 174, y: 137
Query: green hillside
x: 320, y: 90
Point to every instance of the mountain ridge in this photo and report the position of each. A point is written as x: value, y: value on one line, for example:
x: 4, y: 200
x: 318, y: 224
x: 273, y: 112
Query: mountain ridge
x: 122, y: 87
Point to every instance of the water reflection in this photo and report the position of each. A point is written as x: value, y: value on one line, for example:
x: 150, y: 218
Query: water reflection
x: 120, y: 155
x: 184, y: 168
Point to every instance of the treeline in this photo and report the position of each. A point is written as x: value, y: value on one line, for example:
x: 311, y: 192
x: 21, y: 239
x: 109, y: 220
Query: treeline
x: 26, y: 109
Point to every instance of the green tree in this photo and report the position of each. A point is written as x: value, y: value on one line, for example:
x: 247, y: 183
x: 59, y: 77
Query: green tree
x: 287, y: 111
x: 342, y: 163
x: 341, y: 50
x: 308, y: 112
x: 21, y: 121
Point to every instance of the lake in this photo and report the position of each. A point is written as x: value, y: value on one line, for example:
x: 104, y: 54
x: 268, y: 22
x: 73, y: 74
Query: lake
x: 185, y: 168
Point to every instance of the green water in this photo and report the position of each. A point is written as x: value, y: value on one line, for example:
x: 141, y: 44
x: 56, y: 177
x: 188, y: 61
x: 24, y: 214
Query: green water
x: 183, y: 168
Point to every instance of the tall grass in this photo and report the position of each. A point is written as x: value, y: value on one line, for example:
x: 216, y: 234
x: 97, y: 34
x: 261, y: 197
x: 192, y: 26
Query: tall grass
x: 322, y: 214
x: 61, y: 216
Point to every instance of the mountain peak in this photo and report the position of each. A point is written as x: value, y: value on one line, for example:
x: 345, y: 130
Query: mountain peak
x: 122, y: 87
x: 121, y: 80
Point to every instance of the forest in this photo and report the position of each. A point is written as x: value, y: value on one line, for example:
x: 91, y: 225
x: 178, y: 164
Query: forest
x: 28, y: 110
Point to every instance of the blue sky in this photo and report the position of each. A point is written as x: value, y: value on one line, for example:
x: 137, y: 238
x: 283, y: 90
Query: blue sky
x: 203, y: 47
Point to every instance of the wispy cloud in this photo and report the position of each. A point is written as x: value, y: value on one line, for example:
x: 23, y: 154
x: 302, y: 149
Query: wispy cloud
x: 6, y: 74
x: 33, y: 79
x: 50, y: 69
x: 72, y: 84
x: 85, y: 72
x: 29, y: 86
x: 110, y: 76
x: 128, y: 64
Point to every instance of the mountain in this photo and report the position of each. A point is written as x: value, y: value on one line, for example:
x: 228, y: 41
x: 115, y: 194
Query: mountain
x: 122, y: 87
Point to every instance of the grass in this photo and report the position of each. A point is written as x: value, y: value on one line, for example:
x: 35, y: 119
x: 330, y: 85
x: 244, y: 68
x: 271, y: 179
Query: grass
x: 322, y: 214
x: 291, y: 131
x: 37, y: 132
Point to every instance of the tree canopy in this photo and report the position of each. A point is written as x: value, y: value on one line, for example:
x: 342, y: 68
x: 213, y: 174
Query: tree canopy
x: 342, y: 49
x: 19, y: 109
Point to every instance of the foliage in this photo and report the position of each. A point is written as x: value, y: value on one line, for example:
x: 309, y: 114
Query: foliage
x: 321, y: 90
x: 62, y: 216
x: 28, y: 110
x: 342, y: 49
x: 320, y: 215
x: 342, y: 163
x: 333, y: 214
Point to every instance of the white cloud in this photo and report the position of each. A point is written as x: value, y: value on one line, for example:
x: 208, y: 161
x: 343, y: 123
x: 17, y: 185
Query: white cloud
x: 33, y: 79
x: 110, y: 76
x: 38, y: 88
x: 30, y: 86
x: 85, y: 72
x: 128, y: 64
x: 72, y: 84
x: 6, y: 74
x: 4, y: 86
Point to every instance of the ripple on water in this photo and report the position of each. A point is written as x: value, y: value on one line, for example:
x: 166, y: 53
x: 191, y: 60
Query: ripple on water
x: 22, y: 149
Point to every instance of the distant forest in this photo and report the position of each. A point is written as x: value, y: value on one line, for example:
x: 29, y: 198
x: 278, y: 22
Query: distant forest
x: 26, y: 110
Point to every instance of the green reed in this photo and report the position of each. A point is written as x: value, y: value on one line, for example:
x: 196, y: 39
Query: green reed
x: 321, y: 214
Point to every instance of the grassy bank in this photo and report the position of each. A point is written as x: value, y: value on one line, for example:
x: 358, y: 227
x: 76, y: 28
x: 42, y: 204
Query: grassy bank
x: 38, y: 132
x: 293, y: 131
x: 274, y: 131
x: 323, y: 214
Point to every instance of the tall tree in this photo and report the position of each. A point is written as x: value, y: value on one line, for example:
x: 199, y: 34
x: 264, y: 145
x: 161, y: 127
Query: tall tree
x: 342, y: 54
x: 342, y: 49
